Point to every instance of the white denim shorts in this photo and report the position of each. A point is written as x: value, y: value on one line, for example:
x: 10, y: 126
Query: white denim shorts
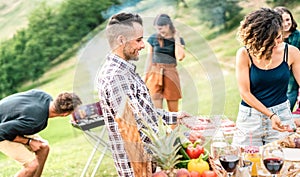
x: 257, y: 129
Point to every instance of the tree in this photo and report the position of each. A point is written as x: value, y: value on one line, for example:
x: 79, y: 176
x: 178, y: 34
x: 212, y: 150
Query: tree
x: 50, y: 33
x: 218, y: 13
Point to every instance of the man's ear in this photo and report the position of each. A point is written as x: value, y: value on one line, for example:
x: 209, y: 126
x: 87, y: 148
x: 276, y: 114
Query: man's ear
x: 121, y: 40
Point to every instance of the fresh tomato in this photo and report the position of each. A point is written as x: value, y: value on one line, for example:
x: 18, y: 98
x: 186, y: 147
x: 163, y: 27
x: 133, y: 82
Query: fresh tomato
x: 195, y: 174
x: 194, y: 150
x: 209, y: 173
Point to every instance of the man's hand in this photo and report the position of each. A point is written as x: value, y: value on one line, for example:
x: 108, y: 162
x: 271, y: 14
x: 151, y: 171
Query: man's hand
x: 196, y: 135
x: 37, y: 144
x: 182, y: 115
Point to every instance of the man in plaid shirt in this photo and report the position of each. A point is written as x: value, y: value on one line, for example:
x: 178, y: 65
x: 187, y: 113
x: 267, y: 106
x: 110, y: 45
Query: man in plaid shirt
x: 118, y: 79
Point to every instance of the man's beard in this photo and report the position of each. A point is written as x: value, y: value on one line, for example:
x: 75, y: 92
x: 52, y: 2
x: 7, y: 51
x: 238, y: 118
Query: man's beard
x: 127, y: 55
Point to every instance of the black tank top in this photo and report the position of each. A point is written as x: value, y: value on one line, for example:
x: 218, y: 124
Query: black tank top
x: 270, y: 86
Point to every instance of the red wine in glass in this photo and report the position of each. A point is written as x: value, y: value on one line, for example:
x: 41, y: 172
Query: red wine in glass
x: 273, y: 164
x: 229, y: 162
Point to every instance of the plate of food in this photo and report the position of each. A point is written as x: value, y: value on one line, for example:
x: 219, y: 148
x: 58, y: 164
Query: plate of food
x: 291, y: 154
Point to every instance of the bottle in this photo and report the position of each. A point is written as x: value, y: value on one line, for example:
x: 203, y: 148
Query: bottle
x: 252, y: 154
x: 218, y: 142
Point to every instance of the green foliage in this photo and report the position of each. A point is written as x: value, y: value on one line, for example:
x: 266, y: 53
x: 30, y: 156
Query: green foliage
x: 219, y: 12
x: 282, y: 2
x: 50, y: 33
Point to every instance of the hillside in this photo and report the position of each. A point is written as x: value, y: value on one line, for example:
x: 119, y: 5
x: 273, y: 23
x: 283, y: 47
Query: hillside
x: 207, y: 73
x: 14, y: 14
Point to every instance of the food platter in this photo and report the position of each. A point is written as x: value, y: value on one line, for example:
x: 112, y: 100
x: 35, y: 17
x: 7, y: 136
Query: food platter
x: 292, y: 154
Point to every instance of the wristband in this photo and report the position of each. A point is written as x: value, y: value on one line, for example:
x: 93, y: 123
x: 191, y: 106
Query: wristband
x: 272, y: 116
x: 29, y: 139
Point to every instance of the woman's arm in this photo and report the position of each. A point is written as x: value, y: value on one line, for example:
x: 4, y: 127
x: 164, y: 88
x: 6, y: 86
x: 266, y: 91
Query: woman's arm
x: 294, y: 61
x: 243, y: 80
x: 179, y: 48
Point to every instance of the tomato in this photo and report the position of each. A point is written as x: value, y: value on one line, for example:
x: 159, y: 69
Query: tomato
x: 194, y: 150
x: 195, y: 174
x: 198, y: 165
x: 209, y: 173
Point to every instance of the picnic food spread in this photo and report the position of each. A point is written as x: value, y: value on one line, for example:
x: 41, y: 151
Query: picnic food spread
x: 198, y: 161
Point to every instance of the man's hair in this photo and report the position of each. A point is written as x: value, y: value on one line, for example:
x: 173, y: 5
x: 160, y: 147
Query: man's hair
x: 66, y: 102
x: 125, y: 19
x: 121, y: 24
x: 258, y: 32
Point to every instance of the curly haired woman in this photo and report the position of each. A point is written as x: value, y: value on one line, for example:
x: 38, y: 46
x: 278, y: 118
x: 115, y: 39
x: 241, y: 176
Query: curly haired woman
x: 263, y: 71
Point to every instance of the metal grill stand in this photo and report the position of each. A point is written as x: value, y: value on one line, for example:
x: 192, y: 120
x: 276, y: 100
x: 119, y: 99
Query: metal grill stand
x: 99, y: 141
x: 87, y: 118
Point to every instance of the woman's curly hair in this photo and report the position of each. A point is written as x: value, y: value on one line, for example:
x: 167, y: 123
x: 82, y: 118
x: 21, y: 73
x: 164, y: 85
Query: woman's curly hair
x: 258, y: 32
x: 66, y: 102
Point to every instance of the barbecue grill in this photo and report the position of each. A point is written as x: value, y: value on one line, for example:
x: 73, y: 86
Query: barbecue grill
x: 89, y: 119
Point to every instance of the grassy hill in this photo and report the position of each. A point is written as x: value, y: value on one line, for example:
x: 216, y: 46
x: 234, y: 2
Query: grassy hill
x: 207, y: 75
x: 14, y: 14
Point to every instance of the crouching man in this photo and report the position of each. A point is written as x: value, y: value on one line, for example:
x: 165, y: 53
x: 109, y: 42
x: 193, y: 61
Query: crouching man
x: 24, y: 114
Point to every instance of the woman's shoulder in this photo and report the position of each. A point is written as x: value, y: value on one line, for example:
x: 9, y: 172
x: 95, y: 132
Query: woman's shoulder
x: 293, y: 52
x: 152, y: 38
x: 242, y: 51
x: 292, y: 48
x: 242, y: 55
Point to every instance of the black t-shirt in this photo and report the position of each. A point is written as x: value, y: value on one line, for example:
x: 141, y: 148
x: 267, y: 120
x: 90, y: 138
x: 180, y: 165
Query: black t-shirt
x: 165, y: 54
x: 24, y: 113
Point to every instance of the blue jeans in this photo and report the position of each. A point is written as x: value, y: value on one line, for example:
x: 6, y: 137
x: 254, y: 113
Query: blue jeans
x: 257, y: 129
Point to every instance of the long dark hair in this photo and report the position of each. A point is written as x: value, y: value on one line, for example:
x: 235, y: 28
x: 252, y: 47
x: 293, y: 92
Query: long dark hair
x: 162, y: 20
x: 281, y: 10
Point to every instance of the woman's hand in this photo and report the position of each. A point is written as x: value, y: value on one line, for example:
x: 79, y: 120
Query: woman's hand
x: 297, y: 122
x: 276, y: 124
x: 176, y: 35
x: 179, y: 48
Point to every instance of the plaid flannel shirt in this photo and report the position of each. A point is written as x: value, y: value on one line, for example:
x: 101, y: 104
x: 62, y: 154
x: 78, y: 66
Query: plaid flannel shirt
x: 293, y: 39
x: 116, y: 79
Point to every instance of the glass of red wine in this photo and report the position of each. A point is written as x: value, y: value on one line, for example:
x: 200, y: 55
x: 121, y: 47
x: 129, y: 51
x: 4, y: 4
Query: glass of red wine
x: 229, y: 158
x: 273, y: 158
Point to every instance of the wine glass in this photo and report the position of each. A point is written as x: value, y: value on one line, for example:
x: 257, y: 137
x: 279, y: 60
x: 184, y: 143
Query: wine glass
x: 229, y: 158
x: 273, y: 158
